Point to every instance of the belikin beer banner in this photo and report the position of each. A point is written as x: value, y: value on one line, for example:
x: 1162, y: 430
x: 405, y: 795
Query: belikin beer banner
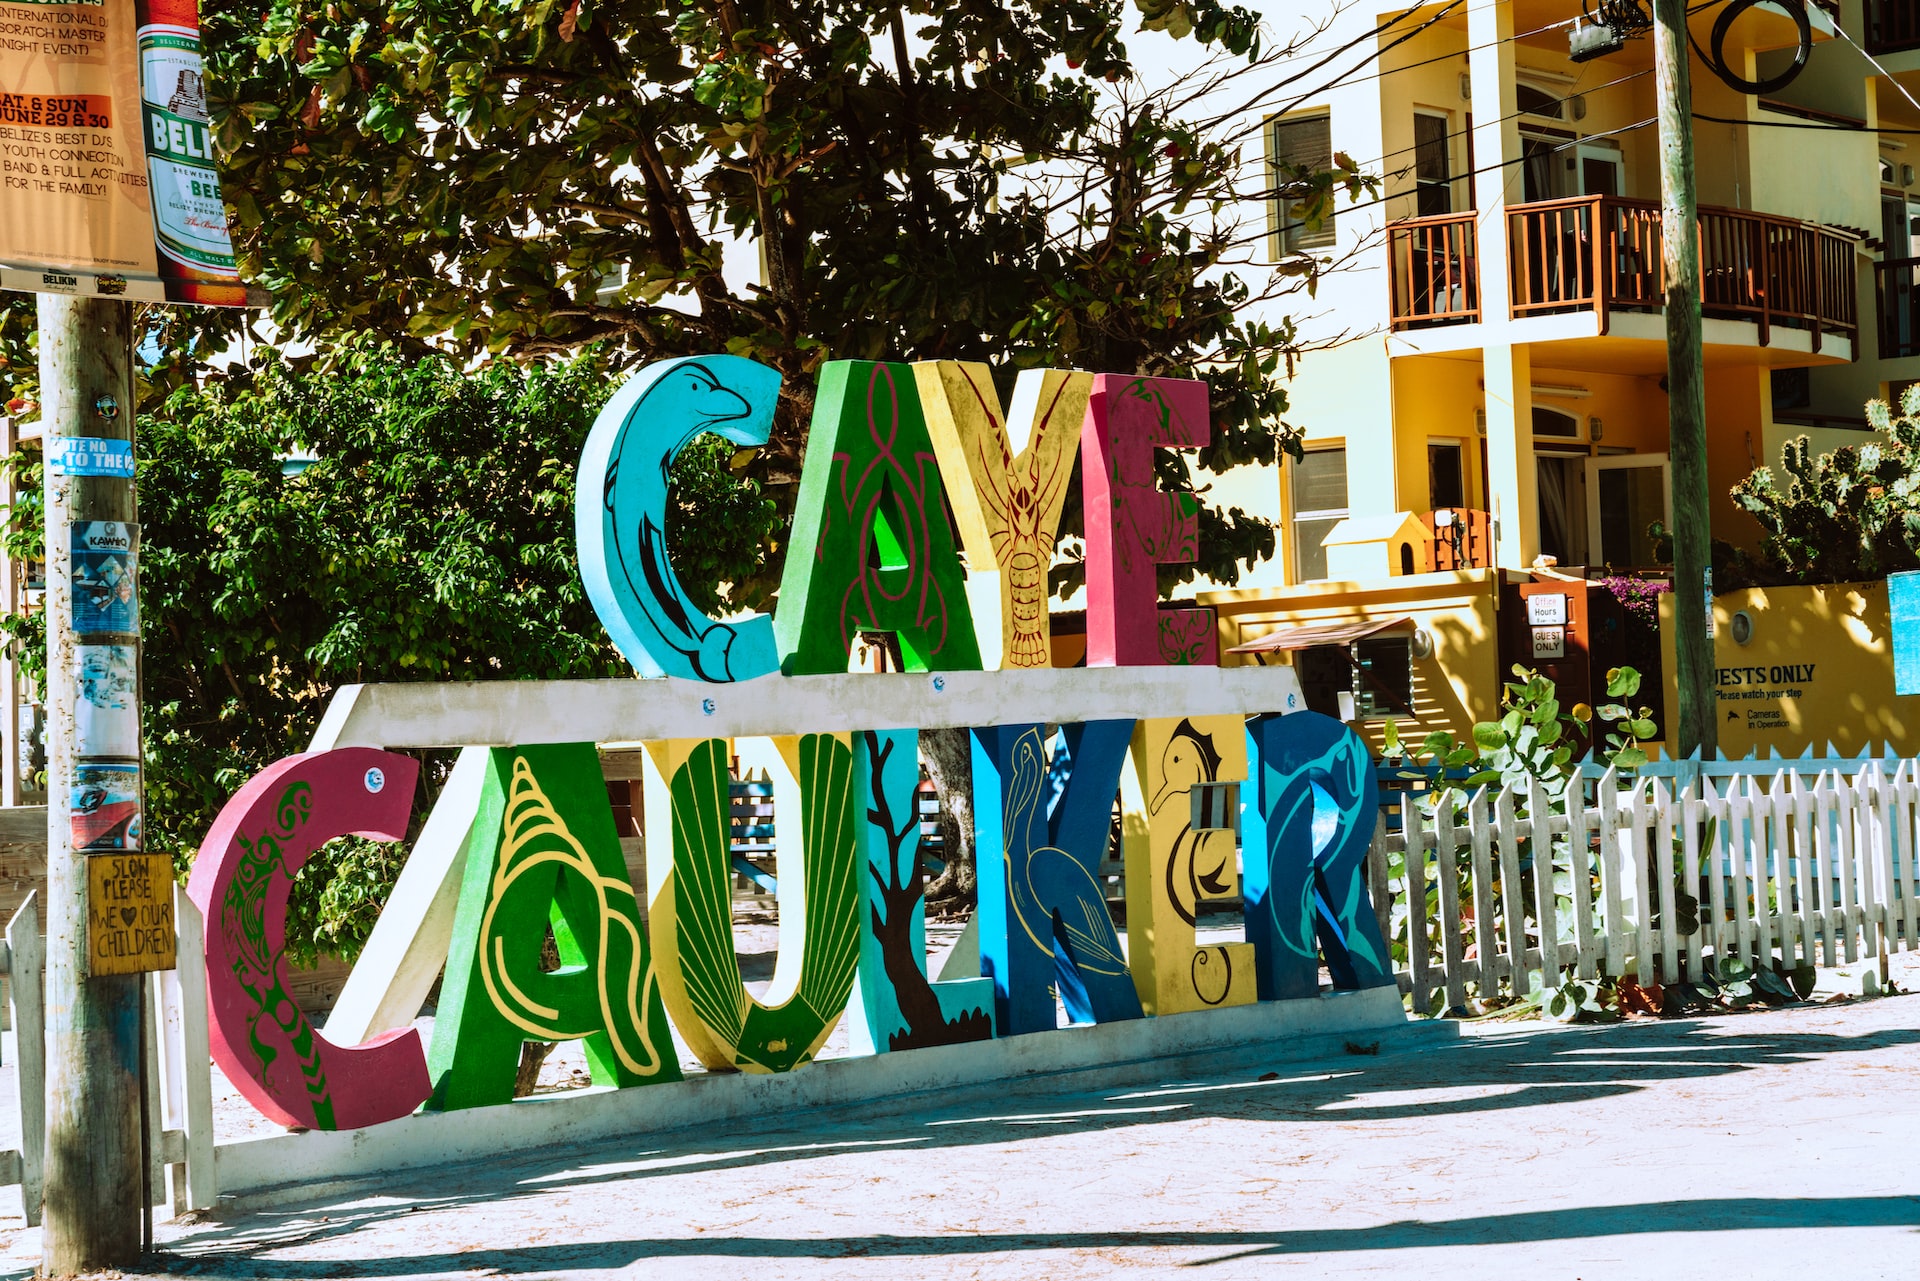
x: 107, y: 180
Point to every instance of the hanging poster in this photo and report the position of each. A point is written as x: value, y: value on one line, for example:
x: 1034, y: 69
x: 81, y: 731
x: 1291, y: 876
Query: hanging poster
x: 107, y: 178
x: 106, y: 711
x: 104, y: 553
x: 104, y: 808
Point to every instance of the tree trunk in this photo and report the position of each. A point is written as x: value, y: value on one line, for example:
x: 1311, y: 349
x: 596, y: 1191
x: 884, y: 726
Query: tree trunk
x: 948, y: 755
x: 533, y: 1057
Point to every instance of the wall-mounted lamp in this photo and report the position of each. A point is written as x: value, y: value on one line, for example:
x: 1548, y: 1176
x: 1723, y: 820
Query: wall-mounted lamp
x: 1595, y: 429
x: 1480, y: 421
x: 1421, y: 643
x: 1906, y: 175
x: 1560, y: 391
x: 1741, y: 627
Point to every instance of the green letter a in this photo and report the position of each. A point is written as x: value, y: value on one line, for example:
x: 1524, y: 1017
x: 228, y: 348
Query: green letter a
x: 543, y: 854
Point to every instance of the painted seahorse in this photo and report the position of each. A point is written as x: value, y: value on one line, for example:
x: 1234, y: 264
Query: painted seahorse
x: 1190, y: 758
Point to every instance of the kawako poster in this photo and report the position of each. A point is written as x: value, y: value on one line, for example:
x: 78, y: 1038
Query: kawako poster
x: 107, y: 178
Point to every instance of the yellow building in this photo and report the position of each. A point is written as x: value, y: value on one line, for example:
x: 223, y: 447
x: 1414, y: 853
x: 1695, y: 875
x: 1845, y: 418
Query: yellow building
x: 1506, y: 358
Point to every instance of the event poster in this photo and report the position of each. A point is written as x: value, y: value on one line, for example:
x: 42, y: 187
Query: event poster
x: 107, y: 177
x: 104, y: 809
x: 107, y: 709
x: 105, y: 553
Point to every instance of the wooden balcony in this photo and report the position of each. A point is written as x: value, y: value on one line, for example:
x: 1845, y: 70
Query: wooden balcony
x: 1436, y: 270
x: 1602, y: 254
x: 1892, y: 25
x: 1896, y: 289
x: 1459, y: 538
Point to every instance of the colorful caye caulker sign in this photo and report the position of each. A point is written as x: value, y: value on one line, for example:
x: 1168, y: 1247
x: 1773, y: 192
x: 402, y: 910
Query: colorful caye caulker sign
x: 107, y: 177
x: 521, y: 844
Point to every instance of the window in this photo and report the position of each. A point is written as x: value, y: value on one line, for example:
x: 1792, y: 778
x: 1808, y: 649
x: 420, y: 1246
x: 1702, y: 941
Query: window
x: 1552, y: 422
x: 1383, y: 677
x: 1301, y: 143
x: 1792, y: 389
x: 1319, y: 503
x: 1377, y: 674
x: 1532, y: 100
x: 1446, y: 477
x: 1546, y: 158
x: 1432, y: 166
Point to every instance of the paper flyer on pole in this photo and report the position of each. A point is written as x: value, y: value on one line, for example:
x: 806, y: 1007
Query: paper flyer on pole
x: 104, y: 556
x: 107, y: 177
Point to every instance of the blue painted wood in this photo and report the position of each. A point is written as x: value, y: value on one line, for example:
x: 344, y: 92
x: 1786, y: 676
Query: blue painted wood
x: 759, y: 876
x: 1306, y: 900
x: 1903, y: 594
x: 620, y: 515
x: 1041, y: 831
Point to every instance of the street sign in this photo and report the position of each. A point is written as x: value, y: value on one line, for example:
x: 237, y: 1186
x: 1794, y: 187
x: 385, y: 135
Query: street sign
x: 129, y: 913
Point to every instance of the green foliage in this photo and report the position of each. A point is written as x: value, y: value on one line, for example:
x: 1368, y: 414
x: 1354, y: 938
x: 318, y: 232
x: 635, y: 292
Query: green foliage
x: 981, y: 182
x: 1850, y: 515
x: 430, y: 539
x: 1535, y: 737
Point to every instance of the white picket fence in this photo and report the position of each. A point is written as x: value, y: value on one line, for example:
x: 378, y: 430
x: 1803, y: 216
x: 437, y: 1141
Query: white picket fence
x: 179, y: 1080
x: 1796, y: 866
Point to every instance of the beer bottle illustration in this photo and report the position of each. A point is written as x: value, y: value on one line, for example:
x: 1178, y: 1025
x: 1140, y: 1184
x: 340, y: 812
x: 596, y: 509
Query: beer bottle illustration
x: 189, y: 220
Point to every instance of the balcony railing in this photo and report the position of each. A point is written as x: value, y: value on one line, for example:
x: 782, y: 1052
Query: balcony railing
x: 1892, y: 25
x: 1459, y: 538
x: 1602, y: 254
x: 1436, y: 270
x: 1896, y: 289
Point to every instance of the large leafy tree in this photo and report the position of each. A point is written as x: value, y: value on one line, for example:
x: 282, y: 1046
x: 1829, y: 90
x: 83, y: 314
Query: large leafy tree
x: 499, y: 177
x: 387, y: 519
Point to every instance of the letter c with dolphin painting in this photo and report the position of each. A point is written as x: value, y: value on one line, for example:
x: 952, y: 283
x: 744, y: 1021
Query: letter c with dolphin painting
x: 620, y: 515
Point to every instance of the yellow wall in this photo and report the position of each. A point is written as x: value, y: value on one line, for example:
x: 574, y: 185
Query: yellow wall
x: 1458, y: 685
x: 1818, y: 670
x: 1435, y: 396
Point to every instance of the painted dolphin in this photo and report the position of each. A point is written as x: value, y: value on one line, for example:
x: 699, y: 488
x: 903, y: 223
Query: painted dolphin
x: 620, y: 515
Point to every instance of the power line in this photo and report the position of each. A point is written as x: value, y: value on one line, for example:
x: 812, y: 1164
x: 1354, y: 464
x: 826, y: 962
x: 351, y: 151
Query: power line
x: 1576, y: 91
x: 1476, y: 172
x: 1801, y: 124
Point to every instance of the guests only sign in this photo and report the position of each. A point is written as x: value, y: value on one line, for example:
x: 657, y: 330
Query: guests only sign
x: 107, y: 180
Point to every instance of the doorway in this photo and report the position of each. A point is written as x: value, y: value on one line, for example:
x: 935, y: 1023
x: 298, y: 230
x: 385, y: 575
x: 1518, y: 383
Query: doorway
x: 1630, y: 492
x: 1560, y: 485
x: 1602, y: 171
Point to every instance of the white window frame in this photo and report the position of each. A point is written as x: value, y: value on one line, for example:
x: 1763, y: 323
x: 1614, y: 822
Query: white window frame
x: 1291, y: 236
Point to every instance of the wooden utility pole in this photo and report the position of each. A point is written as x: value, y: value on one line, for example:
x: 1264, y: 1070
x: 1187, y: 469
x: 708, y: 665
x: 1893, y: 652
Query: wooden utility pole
x: 93, y: 1165
x: 1686, y: 385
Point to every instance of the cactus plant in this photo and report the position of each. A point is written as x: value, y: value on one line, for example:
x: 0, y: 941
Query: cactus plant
x: 1849, y: 515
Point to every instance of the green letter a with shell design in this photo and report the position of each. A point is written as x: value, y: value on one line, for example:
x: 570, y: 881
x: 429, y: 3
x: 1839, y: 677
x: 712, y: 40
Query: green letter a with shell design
x: 543, y: 855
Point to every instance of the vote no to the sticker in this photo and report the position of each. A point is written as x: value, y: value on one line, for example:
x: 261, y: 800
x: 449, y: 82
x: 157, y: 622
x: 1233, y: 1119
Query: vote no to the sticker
x: 90, y: 456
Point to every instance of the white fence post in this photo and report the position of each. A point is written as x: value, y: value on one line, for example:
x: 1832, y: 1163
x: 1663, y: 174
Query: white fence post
x: 26, y: 982
x: 195, y: 1057
x: 1783, y: 867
